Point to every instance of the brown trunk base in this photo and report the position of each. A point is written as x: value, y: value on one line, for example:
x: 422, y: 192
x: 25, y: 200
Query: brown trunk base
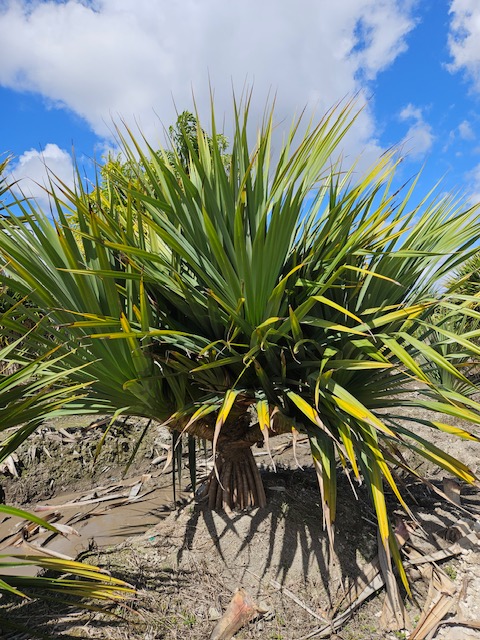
x: 235, y: 484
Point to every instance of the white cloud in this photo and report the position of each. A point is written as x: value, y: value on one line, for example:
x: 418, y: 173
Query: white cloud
x: 464, y: 39
x: 465, y: 131
x: 384, y: 27
x: 104, y: 58
x: 411, y: 112
x: 31, y: 173
x: 419, y: 138
x: 473, y: 180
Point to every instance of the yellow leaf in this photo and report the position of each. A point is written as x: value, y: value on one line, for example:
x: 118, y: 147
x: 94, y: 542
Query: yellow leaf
x: 362, y: 413
x: 263, y: 414
x: 336, y: 306
x: 307, y: 410
x: 379, y: 503
x: 461, y: 433
x: 223, y: 414
x: 345, y: 434
x: 200, y: 413
x: 371, y: 273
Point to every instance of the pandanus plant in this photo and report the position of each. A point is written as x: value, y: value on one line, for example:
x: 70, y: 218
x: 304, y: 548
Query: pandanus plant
x: 273, y: 293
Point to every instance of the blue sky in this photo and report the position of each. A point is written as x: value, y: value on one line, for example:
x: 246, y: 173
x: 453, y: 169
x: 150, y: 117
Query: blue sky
x: 69, y: 67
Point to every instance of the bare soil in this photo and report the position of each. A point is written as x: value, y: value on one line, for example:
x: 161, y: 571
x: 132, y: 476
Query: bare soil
x: 189, y: 564
x: 66, y: 454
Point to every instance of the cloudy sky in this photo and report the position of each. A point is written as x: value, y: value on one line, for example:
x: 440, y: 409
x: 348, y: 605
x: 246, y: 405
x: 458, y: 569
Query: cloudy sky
x: 68, y: 68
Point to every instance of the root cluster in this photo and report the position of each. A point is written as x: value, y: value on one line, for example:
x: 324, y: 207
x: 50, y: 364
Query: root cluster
x: 235, y: 484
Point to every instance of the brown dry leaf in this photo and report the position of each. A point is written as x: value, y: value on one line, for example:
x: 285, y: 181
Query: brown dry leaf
x: 25, y: 530
x: 462, y: 622
x: 10, y: 465
x: 135, y: 490
x: 295, y: 437
x: 441, y: 592
x: 69, y: 437
x: 168, y: 459
x: 467, y: 539
x: 80, y: 503
x: 66, y: 529
x: 240, y: 610
x: 45, y: 551
x: 461, y: 619
x: 266, y: 440
x: 437, y: 556
x: 394, y: 615
x: 99, y: 423
x: 452, y: 490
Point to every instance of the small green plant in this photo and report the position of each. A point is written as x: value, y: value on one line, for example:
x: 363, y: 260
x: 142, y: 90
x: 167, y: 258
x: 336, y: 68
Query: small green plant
x: 368, y: 628
x: 450, y: 571
x: 173, y: 622
x: 189, y: 620
x: 280, y: 621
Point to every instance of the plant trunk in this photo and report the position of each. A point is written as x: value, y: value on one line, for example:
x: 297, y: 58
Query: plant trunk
x: 235, y: 482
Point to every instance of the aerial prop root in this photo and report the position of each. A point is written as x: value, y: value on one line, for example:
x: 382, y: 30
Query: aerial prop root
x: 235, y: 483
